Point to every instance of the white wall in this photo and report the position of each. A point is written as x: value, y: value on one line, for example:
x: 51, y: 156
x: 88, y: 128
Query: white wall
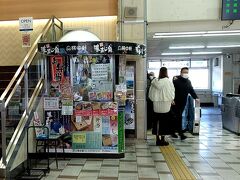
x: 183, y: 10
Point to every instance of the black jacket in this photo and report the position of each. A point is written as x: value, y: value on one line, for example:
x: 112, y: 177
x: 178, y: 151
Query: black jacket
x: 183, y: 87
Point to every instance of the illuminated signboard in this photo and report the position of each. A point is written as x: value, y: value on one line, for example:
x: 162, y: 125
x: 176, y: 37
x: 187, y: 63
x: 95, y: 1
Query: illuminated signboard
x: 230, y: 9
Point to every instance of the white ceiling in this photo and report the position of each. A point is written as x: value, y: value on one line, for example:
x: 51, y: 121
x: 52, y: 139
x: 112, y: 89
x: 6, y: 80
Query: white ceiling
x: 157, y: 46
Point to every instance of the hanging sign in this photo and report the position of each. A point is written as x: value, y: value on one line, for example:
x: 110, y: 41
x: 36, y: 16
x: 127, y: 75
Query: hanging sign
x: 25, y: 24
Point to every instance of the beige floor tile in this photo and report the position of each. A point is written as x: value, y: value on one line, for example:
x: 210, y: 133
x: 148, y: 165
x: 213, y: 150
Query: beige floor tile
x: 92, y: 165
x: 147, y: 172
x: 71, y: 171
x: 128, y: 176
x: 128, y: 166
x: 108, y: 172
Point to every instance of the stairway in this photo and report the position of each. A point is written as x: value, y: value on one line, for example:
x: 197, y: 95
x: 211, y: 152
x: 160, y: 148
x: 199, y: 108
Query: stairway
x: 6, y: 75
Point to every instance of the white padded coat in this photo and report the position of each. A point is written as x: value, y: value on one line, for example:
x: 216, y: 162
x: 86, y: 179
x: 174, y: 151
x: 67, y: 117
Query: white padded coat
x: 162, y: 93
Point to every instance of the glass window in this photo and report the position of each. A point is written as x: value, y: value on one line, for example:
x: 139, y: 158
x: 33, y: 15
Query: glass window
x: 176, y: 64
x: 199, y: 63
x: 198, y: 71
x: 199, y: 78
x: 154, y: 64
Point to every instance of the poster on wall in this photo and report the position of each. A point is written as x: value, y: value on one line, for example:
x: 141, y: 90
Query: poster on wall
x: 51, y: 103
x: 58, y: 124
x: 26, y: 40
x: 67, y: 107
x: 57, y: 74
x: 129, y: 114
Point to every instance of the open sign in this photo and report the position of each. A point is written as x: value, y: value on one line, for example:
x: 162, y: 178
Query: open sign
x: 25, y: 24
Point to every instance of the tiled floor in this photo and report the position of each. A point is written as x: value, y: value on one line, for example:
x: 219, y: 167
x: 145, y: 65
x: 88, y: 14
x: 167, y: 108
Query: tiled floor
x: 214, y: 154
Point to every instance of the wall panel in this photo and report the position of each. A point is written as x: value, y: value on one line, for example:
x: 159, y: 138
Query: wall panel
x: 13, y: 9
x: 12, y: 53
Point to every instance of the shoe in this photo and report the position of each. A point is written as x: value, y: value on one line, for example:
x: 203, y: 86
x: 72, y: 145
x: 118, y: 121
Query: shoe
x: 185, y: 130
x: 182, y: 137
x: 174, y: 135
x: 164, y: 143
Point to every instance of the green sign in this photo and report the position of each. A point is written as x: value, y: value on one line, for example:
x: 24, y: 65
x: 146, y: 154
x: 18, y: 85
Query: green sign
x: 230, y: 9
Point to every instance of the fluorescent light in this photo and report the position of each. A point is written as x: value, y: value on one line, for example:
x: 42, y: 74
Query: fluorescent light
x: 176, y: 54
x: 197, y: 34
x: 176, y: 36
x: 186, y: 47
x: 224, y: 46
x: 227, y: 34
x: 214, y: 32
x: 179, y: 33
x: 199, y: 53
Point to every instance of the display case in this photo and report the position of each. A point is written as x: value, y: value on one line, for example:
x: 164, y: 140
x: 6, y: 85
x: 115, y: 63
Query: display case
x: 86, y: 94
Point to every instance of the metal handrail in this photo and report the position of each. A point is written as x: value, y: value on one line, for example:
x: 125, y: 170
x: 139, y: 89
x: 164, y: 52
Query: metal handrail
x: 33, y: 49
x: 22, y: 122
x: 21, y: 73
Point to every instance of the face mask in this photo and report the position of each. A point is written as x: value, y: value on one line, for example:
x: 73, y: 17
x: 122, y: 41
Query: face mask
x: 151, y: 77
x: 83, y: 78
x: 185, y: 75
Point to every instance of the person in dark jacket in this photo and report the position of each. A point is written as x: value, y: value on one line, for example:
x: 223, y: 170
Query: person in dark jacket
x: 183, y: 87
x: 150, y: 113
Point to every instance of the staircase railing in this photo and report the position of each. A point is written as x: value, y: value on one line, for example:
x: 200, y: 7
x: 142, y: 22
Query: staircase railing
x: 19, y: 103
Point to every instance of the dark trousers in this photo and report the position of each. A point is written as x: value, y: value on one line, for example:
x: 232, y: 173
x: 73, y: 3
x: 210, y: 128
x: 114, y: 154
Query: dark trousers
x: 178, y: 110
x: 150, y: 114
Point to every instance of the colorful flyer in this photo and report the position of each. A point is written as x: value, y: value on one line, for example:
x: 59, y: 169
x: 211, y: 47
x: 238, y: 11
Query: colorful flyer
x: 86, y: 140
x: 92, y: 96
x: 78, y: 109
x: 66, y: 89
x: 130, y: 114
x: 96, y: 108
x: 54, y: 120
x: 86, y: 108
x: 89, y: 122
x: 113, y: 108
x: 67, y: 107
x: 97, y: 121
x: 104, y: 108
x: 56, y: 64
x: 105, y: 124
x: 113, y: 125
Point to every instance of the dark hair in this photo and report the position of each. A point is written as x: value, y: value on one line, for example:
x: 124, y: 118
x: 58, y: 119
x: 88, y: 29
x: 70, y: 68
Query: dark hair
x: 184, y: 68
x: 163, y: 73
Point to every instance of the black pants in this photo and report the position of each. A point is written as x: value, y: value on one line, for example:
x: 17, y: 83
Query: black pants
x: 150, y: 114
x: 178, y: 110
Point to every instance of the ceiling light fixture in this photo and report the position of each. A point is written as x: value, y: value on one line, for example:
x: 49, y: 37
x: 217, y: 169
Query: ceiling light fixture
x: 179, y: 33
x: 186, y: 47
x: 197, y: 34
x: 176, y: 36
x: 224, y: 46
x: 176, y: 54
x: 202, y: 53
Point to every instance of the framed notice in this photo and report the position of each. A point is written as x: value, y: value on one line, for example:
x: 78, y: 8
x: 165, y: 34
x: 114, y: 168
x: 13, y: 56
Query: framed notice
x: 51, y: 103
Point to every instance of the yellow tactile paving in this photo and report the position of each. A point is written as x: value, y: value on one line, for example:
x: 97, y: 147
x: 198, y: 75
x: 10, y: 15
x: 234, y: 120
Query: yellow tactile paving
x: 175, y: 163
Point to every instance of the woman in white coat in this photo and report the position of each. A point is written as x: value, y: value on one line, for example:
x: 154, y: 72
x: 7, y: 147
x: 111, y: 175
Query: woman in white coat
x: 162, y: 94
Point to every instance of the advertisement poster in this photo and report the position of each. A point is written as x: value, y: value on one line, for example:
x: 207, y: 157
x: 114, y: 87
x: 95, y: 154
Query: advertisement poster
x: 56, y: 122
x: 26, y: 40
x: 56, y: 63
x: 97, y: 122
x: 67, y: 107
x: 130, y: 114
x: 86, y: 141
